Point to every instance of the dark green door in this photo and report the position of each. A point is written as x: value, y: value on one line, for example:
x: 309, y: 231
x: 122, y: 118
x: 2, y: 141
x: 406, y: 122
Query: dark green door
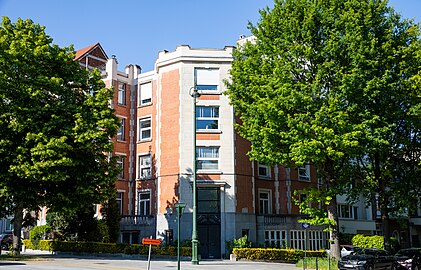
x: 209, y: 222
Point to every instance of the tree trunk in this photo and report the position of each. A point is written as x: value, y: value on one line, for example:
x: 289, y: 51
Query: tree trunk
x: 334, y: 229
x: 332, y: 210
x: 383, y: 201
x: 386, y: 230
x: 17, y: 228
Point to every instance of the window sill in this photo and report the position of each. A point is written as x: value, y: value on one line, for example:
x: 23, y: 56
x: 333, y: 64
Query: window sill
x: 145, y: 140
x: 304, y: 180
x: 210, y: 92
x: 121, y: 105
x: 144, y: 179
x: 264, y: 177
x: 144, y: 105
x: 209, y: 172
x: 121, y: 141
x: 212, y: 131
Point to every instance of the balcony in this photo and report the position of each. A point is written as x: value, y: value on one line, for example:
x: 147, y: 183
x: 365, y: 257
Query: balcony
x: 271, y: 220
x: 137, y: 222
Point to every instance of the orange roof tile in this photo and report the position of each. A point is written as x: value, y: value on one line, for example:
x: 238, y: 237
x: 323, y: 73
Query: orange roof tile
x: 81, y: 52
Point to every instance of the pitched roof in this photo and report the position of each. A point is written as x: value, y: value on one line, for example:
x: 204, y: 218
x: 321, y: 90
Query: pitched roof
x: 82, y: 52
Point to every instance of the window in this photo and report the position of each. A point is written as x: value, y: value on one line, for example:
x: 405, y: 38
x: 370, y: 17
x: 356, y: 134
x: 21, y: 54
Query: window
x: 297, y: 239
x: 317, y: 240
x: 121, y: 93
x: 264, y: 202
x: 144, y: 200
x: 119, y: 200
x: 347, y: 211
x: 145, y: 129
x: 264, y: 171
x: 144, y: 167
x: 207, y: 117
x: 121, y: 129
x: 120, y: 164
x: 145, y: 94
x: 304, y: 173
x: 207, y: 79
x: 276, y: 239
x: 207, y: 158
x: 208, y: 200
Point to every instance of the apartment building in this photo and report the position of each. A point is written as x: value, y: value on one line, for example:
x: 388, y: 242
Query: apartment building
x: 235, y: 196
x: 155, y: 143
x: 124, y: 104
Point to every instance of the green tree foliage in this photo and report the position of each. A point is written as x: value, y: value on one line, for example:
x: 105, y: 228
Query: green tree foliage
x: 305, y: 90
x: 387, y: 53
x: 55, y: 126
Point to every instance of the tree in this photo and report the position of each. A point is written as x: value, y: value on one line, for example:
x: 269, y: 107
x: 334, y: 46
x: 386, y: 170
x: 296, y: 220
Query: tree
x: 389, y: 56
x: 301, y: 88
x: 55, y: 127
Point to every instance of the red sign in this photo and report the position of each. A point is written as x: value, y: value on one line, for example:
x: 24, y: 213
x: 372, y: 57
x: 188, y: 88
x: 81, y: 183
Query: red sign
x: 150, y: 241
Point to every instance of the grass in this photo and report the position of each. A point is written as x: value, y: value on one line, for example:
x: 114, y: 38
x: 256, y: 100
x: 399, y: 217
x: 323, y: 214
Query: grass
x: 322, y: 264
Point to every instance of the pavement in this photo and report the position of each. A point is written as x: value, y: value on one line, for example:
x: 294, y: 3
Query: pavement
x: 46, y: 260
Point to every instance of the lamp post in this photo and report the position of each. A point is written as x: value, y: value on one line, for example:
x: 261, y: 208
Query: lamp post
x: 194, y: 258
x: 180, y: 209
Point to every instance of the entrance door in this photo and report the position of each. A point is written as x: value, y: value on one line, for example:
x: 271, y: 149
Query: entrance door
x: 209, y: 222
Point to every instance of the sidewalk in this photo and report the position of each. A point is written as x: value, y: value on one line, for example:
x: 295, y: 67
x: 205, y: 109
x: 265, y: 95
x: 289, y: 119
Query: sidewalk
x: 66, y: 261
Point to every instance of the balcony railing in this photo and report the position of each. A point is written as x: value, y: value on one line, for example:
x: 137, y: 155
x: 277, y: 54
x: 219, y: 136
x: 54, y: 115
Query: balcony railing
x: 140, y: 220
x: 270, y: 220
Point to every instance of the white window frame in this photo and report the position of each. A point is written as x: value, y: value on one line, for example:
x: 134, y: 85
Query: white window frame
x: 347, y: 211
x: 121, y: 132
x: 297, y: 239
x: 304, y: 173
x: 120, y: 200
x: 266, y: 168
x: 141, y: 130
x: 147, y: 203
x: 144, y: 165
x: 145, y: 94
x: 317, y: 240
x: 203, y: 154
x: 276, y: 238
x: 200, y: 116
x: 121, y: 96
x: 207, y: 79
x: 120, y: 163
x: 265, y: 204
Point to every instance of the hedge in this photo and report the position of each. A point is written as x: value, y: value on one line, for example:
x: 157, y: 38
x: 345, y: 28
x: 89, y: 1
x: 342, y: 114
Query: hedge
x: 275, y: 254
x: 97, y: 247
x: 38, y: 244
x: 374, y: 241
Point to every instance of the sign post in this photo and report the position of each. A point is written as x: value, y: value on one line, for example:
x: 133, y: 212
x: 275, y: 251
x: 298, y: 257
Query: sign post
x: 151, y: 242
x: 180, y: 208
x: 305, y: 226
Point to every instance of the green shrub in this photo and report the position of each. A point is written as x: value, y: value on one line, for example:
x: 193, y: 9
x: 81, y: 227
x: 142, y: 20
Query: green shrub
x: 275, y: 254
x: 28, y: 244
x: 37, y: 244
x: 375, y: 241
x: 238, y: 243
x: 44, y: 245
x: 39, y: 233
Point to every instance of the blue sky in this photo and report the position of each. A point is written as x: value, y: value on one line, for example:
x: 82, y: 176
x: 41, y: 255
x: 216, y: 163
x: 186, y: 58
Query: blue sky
x: 136, y: 30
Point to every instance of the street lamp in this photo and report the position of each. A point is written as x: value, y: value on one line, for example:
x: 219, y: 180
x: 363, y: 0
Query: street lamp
x: 180, y: 209
x: 194, y: 258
